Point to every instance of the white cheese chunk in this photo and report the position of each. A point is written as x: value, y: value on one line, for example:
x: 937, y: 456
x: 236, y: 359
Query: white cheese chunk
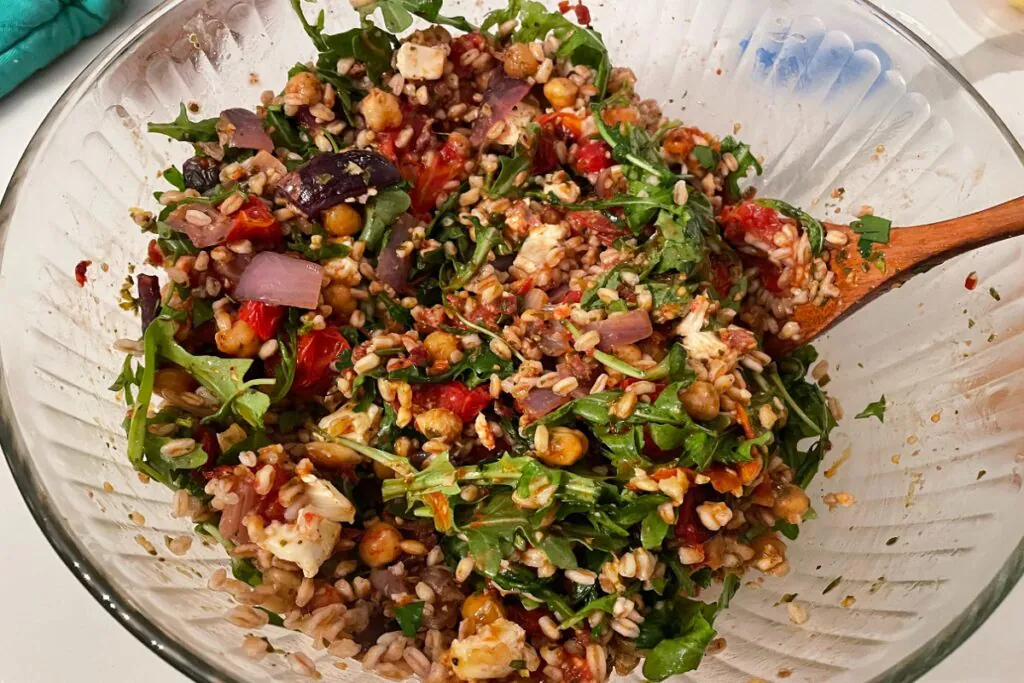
x: 490, y: 652
x: 307, y: 542
x: 536, y: 248
x: 421, y: 62
x: 345, y: 421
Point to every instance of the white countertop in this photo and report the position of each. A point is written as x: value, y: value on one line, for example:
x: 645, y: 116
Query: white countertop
x: 43, y: 602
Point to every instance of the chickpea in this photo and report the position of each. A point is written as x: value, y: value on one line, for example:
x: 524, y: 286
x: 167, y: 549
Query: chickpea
x: 239, y: 340
x: 482, y: 609
x: 439, y: 423
x: 790, y: 503
x: 381, y: 110
x: 379, y: 545
x: 339, y: 298
x: 174, y: 379
x: 770, y: 551
x: 441, y: 345
x: 342, y: 220
x: 701, y: 400
x: 520, y: 62
x: 561, y: 92
x: 565, y: 447
x: 303, y: 88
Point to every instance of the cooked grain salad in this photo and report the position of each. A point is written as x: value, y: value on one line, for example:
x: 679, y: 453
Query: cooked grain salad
x: 457, y: 351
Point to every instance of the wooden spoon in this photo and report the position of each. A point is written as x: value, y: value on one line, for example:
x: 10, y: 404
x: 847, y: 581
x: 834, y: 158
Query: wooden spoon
x: 910, y: 251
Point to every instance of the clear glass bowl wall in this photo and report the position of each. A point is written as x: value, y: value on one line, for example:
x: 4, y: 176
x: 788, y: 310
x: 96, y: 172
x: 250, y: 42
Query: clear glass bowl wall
x: 831, y: 93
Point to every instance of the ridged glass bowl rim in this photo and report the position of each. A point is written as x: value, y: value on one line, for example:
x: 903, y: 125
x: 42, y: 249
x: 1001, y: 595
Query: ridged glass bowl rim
x: 70, y: 550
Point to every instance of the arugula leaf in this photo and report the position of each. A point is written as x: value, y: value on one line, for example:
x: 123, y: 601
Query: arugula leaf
x: 679, y: 631
x: 653, y: 530
x: 872, y: 230
x: 486, y: 240
x: 409, y: 618
x: 678, y: 248
x: 381, y: 212
x: 604, y: 604
x: 706, y: 157
x: 745, y: 161
x: 222, y: 376
x: 325, y: 252
x: 282, y: 131
x: 631, y: 144
x: 511, y: 167
x: 368, y: 44
x: 128, y: 378
x: 186, y: 130
x: 284, y: 373
x: 174, y: 177
x: 194, y: 459
x: 582, y: 45
x: 811, y: 225
x: 398, y: 14
x: 873, y: 409
x: 202, y: 311
x: 173, y: 243
x: 490, y: 531
x: 496, y: 18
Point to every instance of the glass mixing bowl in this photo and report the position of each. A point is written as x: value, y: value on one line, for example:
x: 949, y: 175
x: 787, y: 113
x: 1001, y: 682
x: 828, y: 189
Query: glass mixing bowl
x: 833, y: 93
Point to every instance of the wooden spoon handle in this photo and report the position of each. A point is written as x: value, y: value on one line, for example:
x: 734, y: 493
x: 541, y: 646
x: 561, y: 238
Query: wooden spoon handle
x: 936, y: 242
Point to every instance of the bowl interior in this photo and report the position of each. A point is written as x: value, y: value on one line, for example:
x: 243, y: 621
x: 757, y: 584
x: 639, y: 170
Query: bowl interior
x: 847, y: 111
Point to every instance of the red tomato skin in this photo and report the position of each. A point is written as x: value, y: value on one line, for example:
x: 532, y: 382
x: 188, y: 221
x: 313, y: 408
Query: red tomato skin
x: 317, y: 349
x: 255, y: 222
x: 448, y: 164
x: 586, y: 223
x: 720, y: 277
x: 592, y: 156
x: 264, y: 319
x: 454, y: 396
x: 563, y: 125
x: 575, y: 669
x: 750, y: 218
x: 462, y: 45
x: 688, y: 527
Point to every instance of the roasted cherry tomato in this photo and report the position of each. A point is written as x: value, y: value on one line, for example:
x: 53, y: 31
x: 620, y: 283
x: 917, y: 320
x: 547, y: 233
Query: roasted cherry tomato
x: 317, y: 350
x: 688, y: 527
x: 563, y: 125
x: 574, y: 669
x: 587, y: 223
x: 529, y: 619
x: 720, y: 277
x: 448, y: 164
x: 462, y: 45
x: 748, y: 218
x: 592, y: 156
x: 264, y: 319
x: 254, y: 221
x: 454, y: 396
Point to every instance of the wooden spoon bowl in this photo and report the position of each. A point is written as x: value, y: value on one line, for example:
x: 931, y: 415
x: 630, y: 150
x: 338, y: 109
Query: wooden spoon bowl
x: 911, y: 250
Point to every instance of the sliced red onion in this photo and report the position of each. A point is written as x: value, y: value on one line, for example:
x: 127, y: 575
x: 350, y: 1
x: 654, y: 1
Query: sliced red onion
x: 309, y: 121
x: 329, y: 179
x: 623, y: 328
x: 540, y: 402
x: 203, y: 234
x: 386, y: 583
x: 391, y: 267
x: 149, y: 298
x: 230, y: 525
x: 553, y: 340
x: 280, y: 280
x: 502, y: 95
x: 242, y: 129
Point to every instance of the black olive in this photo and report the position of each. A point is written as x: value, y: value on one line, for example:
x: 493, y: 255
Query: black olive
x: 201, y: 174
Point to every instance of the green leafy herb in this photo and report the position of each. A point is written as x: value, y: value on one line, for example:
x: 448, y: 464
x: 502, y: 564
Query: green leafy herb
x: 745, y: 160
x: 706, y: 156
x: 812, y: 226
x: 174, y: 177
x: 186, y: 130
x: 603, y: 604
x: 326, y: 250
x: 582, y: 45
x: 398, y: 14
x: 678, y: 632
x: 486, y: 240
x: 992, y: 292
x: 172, y: 243
x: 282, y: 130
x: 409, y: 618
x: 511, y: 167
x: 872, y: 230
x: 381, y: 212
x: 202, y: 311
x: 873, y: 409
x: 653, y: 530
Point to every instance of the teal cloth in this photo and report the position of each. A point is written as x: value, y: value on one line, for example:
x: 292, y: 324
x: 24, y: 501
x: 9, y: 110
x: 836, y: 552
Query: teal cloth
x: 35, y: 32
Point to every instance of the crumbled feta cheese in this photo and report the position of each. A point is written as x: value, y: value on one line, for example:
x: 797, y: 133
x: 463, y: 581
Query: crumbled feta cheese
x: 490, y: 652
x: 345, y: 421
x: 704, y: 346
x: 516, y: 122
x: 327, y: 501
x: 536, y: 248
x: 421, y: 62
x: 307, y: 542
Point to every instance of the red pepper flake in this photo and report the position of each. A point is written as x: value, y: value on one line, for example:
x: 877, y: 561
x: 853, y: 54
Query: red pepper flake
x: 581, y: 10
x: 80, y: 272
x: 972, y: 281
